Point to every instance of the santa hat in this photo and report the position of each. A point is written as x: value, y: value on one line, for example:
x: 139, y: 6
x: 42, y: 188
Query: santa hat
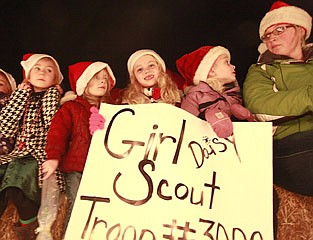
x: 10, y: 79
x: 195, y: 66
x: 136, y: 55
x: 30, y: 59
x: 82, y: 72
x: 282, y: 12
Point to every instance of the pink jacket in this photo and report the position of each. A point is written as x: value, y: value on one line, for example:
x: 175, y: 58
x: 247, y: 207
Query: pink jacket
x: 201, y: 98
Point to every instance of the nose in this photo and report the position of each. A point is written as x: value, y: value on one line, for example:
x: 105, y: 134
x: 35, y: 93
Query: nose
x: 146, y: 70
x: 272, y: 37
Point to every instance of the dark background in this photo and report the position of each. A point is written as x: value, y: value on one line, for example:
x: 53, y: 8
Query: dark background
x: 110, y: 31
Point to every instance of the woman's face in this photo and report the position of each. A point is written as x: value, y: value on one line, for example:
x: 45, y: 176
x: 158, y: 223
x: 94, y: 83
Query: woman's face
x: 287, y: 41
x: 147, y: 71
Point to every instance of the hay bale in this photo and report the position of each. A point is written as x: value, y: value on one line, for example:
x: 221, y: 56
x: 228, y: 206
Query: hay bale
x: 57, y: 228
x: 10, y: 216
x: 295, y: 216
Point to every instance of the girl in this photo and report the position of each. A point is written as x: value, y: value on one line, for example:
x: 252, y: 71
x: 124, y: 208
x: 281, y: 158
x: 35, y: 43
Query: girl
x: 7, y: 86
x: 214, y: 95
x: 149, y: 82
x: 68, y: 138
x: 27, y: 117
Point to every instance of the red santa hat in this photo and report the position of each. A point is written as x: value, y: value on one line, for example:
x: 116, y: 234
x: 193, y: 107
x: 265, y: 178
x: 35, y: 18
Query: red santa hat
x: 136, y: 55
x: 30, y: 59
x: 82, y: 72
x: 282, y: 12
x: 10, y: 79
x: 195, y: 66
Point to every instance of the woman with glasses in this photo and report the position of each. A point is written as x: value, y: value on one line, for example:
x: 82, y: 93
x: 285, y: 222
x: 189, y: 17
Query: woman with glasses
x: 279, y: 88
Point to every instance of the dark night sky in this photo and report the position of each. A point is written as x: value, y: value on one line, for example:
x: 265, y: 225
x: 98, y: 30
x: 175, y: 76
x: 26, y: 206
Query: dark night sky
x: 109, y: 31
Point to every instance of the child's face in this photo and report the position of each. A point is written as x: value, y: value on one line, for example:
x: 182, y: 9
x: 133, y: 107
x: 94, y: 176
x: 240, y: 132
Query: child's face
x: 223, y: 70
x: 43, y: 75
x: 4, y: 84
x: 99, y: 84
x: 147, y: 71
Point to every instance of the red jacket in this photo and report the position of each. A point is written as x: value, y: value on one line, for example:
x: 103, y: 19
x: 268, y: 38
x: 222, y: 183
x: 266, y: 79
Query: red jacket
x: 69, y: 138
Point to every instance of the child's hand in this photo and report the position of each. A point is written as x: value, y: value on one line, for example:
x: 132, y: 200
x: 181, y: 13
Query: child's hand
x: 58, y: 86
x: 241, y: 113
x: 24, y: 85
x: 49, y: 167
x: 96, y: 120
x: 220, y: 122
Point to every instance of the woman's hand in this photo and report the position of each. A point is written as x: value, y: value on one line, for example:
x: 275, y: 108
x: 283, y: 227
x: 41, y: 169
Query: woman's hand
x: 49, y: 167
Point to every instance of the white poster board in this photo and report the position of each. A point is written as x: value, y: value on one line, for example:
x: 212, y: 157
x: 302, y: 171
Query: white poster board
x: 158, y: 172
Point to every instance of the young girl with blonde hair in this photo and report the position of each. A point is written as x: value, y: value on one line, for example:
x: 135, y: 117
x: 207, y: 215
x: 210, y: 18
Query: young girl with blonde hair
x: 149, y: 81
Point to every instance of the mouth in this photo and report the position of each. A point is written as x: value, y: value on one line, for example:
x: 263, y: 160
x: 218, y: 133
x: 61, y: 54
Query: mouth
x: 275, y: 46
x: 149, y: 77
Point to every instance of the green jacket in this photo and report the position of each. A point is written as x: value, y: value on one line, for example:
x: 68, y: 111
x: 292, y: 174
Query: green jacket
x: 279, y: 86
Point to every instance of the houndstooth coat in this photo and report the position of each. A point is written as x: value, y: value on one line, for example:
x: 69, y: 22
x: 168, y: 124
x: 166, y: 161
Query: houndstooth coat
x: 12, y: 118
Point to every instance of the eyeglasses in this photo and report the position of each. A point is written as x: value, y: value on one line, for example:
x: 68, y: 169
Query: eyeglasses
x: 277, y: 31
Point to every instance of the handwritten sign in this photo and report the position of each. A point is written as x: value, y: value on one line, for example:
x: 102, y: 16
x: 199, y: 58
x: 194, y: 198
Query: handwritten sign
x: 157, y: 172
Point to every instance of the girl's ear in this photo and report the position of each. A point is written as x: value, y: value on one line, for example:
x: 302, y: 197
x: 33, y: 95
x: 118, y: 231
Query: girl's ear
x: 211, y: 73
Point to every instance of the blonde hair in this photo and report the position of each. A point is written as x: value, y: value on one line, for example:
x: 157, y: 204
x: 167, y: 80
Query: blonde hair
x: 169, y: 91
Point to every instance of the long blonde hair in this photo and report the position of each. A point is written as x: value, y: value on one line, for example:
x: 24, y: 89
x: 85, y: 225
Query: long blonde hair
x: 169, y: 91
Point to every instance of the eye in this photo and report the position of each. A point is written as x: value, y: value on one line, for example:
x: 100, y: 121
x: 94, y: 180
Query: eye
x: 37, y: 68
x: 139, y: 70
x: 280, y: 29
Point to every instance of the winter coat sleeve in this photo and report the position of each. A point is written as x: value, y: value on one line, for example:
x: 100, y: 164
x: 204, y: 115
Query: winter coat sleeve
x: 50, y: 105
x: 260, y: 97
x: 11, y: 114
x: 190, y: 103
x: 233, y: 95
x: 59, y: 133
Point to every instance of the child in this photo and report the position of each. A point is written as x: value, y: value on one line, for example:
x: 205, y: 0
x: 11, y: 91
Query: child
x: 149, y: 82
x: 215, y: 95
x: 7, y: 86
x: 27, y: 117
x: 68, y: 138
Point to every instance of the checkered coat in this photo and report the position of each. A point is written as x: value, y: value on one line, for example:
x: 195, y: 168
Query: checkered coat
x: 11, y: 120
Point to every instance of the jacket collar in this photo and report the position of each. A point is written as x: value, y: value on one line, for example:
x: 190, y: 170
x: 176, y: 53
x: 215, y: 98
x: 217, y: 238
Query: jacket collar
x: 83, y: 101
x: 268, y: 58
